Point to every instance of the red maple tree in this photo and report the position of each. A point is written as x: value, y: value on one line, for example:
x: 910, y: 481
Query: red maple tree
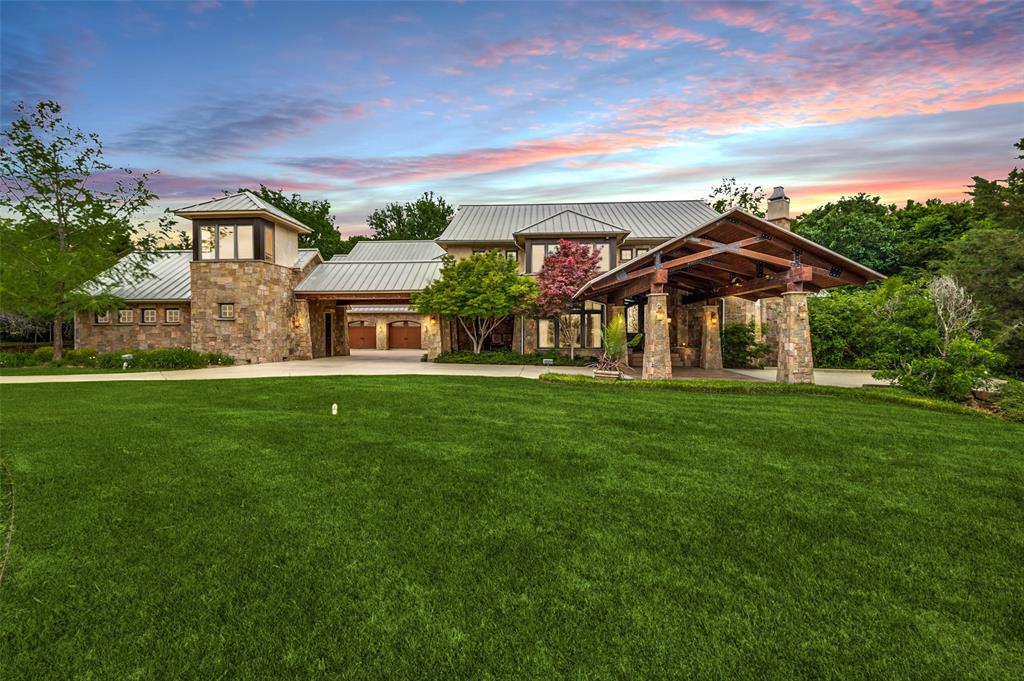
x: 563, y: 273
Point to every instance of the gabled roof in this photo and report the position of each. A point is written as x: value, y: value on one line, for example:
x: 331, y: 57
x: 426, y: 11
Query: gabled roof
x: 242, y: 203
x: 168, y: 279
x: 769, y: 229
x: 370, y: 277
x: 641, y: 219
x: 394, y: 251
x: 570, y: 222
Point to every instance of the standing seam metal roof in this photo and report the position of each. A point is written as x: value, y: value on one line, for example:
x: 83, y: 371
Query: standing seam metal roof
x: 348, y: 276
x: 168, y: 278
x: 642, y: 219
x: 394, y: 251
x: 240, y: 202
x: 569, y: 221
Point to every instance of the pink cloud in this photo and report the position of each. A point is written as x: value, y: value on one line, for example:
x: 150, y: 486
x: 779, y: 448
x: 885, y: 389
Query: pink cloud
x: 516, y: 50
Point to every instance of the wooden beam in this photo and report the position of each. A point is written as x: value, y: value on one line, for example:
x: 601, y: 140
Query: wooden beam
x: 796, y: 275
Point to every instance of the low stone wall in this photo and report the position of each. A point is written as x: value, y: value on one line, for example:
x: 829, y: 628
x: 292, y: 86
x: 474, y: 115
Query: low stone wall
x: 114, y: 337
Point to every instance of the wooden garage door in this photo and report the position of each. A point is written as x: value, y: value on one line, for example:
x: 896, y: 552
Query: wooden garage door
x: 403, y: 335
x: 362, y: 336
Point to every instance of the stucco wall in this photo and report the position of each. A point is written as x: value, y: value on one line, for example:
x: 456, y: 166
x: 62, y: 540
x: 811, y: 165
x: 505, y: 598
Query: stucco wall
x: 113, y: 337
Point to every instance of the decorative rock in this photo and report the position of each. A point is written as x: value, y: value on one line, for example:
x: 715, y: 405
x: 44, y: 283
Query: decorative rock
x: 796, y: 362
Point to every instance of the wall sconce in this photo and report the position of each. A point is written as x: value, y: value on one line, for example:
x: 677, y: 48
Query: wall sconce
x: 659, y: 313
x: 296, y: 322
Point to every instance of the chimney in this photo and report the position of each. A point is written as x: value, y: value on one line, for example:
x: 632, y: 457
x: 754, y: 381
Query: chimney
x: 778, y: 208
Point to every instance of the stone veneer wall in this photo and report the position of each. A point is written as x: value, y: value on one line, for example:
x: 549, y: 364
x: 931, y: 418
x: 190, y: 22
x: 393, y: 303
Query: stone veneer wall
x: 318, y: 309
x: 113, y: 337
x: 268, y: 319
x: 796, y: 361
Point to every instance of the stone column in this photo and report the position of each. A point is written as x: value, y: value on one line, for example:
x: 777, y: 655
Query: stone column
x: 711, y: 338
x: 657, y: 351
x: 342, y: 347
x: 431, y: 337
x: 301, y: 331
x: 796, y: 363
x: 382, y: 333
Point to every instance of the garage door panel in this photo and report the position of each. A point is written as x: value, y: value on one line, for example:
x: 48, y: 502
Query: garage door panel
x: 362, y: 337
x: 404, y: 336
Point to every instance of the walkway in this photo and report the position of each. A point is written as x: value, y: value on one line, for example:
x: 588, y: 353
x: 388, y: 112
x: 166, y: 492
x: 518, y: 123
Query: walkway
x: 406, y: 362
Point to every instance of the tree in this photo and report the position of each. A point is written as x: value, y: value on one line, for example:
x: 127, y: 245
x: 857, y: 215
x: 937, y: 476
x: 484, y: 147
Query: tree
x: 480, y: 292
x: 314, y: 214
x: 181, y: 242
x: 425, y: 218
x: 563, y: 273
x: 65, y: 230
x: 730, y: 194
x: 860, y: 227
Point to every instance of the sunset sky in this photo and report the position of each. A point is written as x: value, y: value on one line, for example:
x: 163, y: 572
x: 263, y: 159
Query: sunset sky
x: 363, y: 104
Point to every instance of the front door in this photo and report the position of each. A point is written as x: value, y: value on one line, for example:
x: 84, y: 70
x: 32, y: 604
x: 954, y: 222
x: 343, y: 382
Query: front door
x: 328, y: 338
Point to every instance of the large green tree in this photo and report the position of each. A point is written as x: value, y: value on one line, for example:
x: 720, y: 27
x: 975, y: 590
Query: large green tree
x: 424, y: 218
x: 70, y: 218
x: 989, y: 259
x: 860, y: 227
x: 731, y: 194
x: 479, y: 292
x: 314, y: 214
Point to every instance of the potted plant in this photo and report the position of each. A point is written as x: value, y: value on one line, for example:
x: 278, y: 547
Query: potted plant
x: 612, y: 360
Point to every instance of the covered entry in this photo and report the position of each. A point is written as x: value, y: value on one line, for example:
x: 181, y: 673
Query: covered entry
x: 734, y: 255
x: 404, y: 335
x: 362, y: 336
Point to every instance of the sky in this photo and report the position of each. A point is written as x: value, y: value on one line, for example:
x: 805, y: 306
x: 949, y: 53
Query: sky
x: 367, y: 103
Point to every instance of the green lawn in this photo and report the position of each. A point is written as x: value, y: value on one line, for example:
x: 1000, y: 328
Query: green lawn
x: 477, y: 527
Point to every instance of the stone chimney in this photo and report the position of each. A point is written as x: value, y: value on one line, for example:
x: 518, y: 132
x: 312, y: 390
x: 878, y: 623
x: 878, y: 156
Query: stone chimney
x: 778, y: 208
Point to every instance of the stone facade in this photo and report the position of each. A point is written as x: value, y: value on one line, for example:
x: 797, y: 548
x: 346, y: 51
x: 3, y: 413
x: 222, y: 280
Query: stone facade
x: 114, y: 336
x: 318, y: 313
x: 796, y: 363
x: 657, y: 342
x: 268, y: 318
x: 711, y: 337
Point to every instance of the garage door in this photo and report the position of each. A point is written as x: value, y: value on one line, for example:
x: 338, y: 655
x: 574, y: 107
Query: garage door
x: 403, y: 335
x: 362, y: 336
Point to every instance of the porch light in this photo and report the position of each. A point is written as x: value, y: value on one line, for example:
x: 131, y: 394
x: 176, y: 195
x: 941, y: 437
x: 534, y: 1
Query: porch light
x: 659, y: 313
x: 296, y: 322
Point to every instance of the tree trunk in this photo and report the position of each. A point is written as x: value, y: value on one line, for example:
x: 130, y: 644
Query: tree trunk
x: 58, y: 336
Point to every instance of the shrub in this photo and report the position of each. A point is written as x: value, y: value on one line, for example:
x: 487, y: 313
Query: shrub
x: 43, y: 355
x: 83, y: 357
x: 508, y: 357
x: 112, y: 360
x: 1011, y: 400
x: 219, y: 359
x: 171, y: 358
x: 966, y: 365
x: 17, y: 359
x: 739, y: 349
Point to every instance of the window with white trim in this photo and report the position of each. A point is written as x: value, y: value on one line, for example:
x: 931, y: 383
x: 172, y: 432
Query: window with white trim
x: 103, y: 317
x: 172, y: 315
x: 149, y: 315
x: 225, y: 310
x: 126, y: 316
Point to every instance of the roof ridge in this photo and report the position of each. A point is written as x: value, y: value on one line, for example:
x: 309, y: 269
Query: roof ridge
x: 571, y: 203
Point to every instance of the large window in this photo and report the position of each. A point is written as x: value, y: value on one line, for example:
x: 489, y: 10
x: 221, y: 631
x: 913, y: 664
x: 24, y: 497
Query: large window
x: 226, y: 242
x: 540, y: 251
x: 580, y: 328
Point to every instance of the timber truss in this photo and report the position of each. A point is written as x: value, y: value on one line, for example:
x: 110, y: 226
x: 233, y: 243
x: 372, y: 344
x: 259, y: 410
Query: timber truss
x: 737, y: 254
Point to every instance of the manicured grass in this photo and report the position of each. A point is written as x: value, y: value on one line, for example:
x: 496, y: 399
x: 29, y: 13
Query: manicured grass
x: 473, y: 528
x: 57, y: 371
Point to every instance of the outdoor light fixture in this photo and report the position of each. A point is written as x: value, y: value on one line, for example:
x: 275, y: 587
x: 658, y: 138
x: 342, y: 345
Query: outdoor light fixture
x: 296, y: 322
x: 659, y: 313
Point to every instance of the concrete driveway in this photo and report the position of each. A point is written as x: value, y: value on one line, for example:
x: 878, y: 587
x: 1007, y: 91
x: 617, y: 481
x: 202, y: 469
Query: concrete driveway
x: 360, y: 363
x: 407, y: 362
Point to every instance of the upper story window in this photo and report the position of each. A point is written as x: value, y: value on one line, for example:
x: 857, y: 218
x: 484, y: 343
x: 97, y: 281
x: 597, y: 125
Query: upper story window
x: 631, y: 252
x: 226, y: 242
x: 539, y: 251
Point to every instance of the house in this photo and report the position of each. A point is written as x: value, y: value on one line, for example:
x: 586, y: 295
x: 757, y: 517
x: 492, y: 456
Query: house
x: 676, y: 270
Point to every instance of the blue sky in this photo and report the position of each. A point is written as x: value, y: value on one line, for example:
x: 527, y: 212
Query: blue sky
x: 365, y: 103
